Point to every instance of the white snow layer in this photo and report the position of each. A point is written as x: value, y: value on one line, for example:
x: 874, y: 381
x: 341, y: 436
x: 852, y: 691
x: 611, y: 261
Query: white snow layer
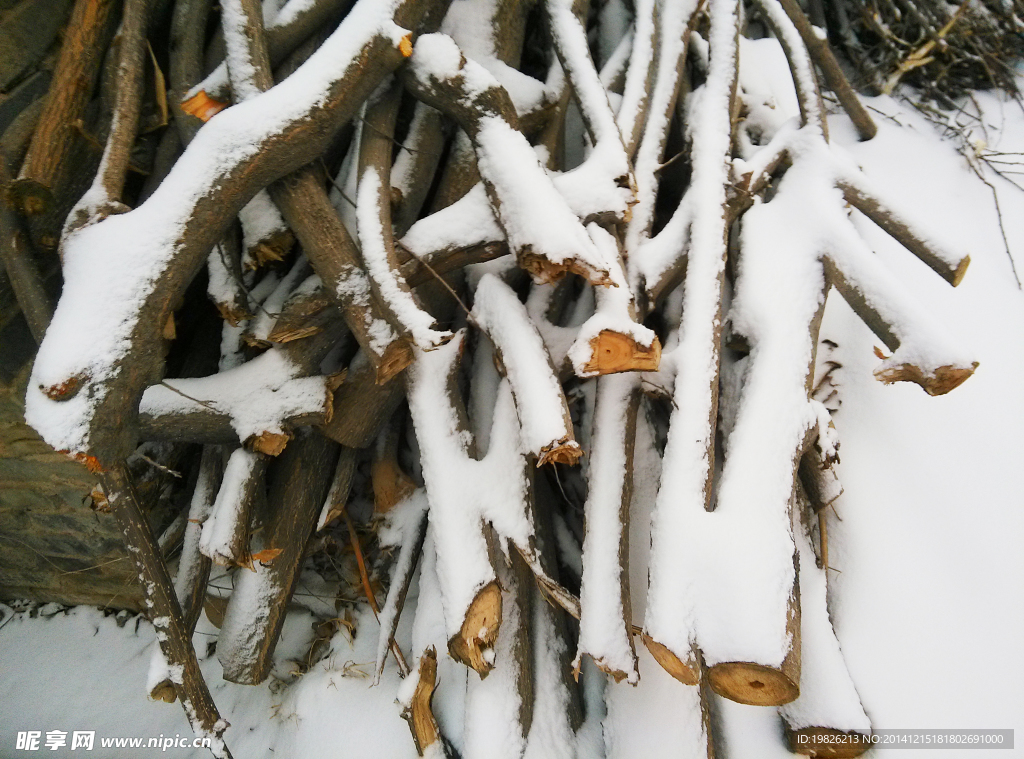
x: 258, y: 395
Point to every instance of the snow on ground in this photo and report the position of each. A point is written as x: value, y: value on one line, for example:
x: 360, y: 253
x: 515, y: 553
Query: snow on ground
x: 926, y: 599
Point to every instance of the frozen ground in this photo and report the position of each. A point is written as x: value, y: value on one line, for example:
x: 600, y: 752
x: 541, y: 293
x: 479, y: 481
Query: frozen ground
x: 925, y: 599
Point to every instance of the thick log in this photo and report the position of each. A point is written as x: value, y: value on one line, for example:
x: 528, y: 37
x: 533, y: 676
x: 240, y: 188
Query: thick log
x: 828, y: 718
x: 163, y: 608
x: 362, y: 406
x: 690, y: 451
x: 547, y: 430
x: 256, y: 609
x: 415, y: 165
x: 79, y: 64
x: 606, y: 544
x: 225, y: 537
x: 949, y: 267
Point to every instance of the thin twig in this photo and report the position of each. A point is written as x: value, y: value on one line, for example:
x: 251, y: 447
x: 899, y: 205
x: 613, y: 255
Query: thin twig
x: 208, y: 404
x: 403, y: 666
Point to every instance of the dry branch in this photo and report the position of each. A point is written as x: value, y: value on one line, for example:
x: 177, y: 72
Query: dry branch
x: 104, y: 197
x: 545, y: 237
x: 817, y: 46
x: 162, y: 603
x: 77, y: 68
x: 256, y: 609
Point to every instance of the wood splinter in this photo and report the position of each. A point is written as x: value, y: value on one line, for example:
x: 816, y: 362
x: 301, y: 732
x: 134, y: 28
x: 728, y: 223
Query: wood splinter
x: 473, y: 646
x: 419, y: 714
x: 202, y: 106
x: 687, y: 672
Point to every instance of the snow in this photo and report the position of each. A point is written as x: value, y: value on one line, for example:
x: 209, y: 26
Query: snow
x: 540, y: 405
x: 685, y: 486
x: 122, y: 256
x: 534, y: 215
x: 241, y: 67
x: 393, y: 292
x: 260, y: 221
x: 295, y: 718
x: 259, y: 395
x: 605, y: 633
x: 230, y: 509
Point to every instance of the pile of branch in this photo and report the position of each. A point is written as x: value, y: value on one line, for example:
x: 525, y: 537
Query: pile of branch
x: 464, y: 273
x: 944, y: 50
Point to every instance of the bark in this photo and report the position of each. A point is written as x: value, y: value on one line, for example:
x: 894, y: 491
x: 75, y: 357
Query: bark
x: 334, y: 256
x: 22, y: 271
x: 834, y: 76
x: 164, y: 609
x: 256, y: 609
x: 104, y: 197
x: 390, y: 484
x: 29, y: 28
x: 79, y: 64
x: 362, y: 406
x: 341, y: 486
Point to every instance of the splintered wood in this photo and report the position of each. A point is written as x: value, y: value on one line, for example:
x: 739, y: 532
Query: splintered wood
x: 484, y: 311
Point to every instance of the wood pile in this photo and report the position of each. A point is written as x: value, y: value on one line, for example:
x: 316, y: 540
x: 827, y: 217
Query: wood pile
x: 454, y: 257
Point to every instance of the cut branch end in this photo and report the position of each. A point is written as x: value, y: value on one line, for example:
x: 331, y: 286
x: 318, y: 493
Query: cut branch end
x: 479, y: 631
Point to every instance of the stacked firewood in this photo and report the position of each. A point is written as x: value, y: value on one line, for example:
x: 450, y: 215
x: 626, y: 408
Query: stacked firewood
x: 464, y: 255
